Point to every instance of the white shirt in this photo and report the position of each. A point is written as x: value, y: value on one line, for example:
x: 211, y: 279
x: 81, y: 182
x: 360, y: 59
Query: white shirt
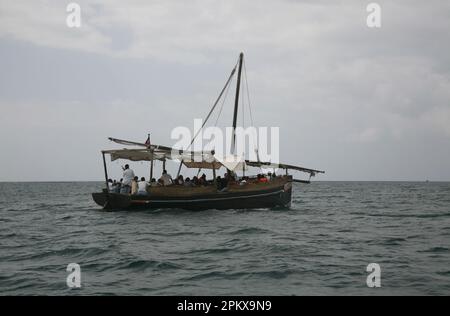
x: 142, y: 186
x: 167, y: 179
x: 128, y: 176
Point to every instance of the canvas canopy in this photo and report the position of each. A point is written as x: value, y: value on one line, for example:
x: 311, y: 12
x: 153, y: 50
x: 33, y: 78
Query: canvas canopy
x: 192, y: 159
x: 260, y: 164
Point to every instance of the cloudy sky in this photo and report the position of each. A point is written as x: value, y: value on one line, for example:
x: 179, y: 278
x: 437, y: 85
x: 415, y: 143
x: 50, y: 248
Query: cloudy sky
x: 361, y: 103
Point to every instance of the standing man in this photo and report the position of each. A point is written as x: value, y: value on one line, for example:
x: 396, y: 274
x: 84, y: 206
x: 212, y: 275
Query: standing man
x: 128, y: 176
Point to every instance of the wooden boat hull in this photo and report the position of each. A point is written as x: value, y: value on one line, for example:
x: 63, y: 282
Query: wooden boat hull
x: 262, y: 196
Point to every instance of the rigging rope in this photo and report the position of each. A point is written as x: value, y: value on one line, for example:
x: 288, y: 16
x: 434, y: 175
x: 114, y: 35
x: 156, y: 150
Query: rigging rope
x: 215, y: 104
x: 223, y: 102
x: 227, y: 84
x: 250, y: 108
x: 248, y: 94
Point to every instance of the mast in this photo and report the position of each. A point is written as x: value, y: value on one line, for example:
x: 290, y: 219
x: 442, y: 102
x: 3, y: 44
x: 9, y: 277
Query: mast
x: 236, y: 102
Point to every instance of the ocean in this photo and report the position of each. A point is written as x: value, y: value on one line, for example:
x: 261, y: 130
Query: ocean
x: 322, y: 245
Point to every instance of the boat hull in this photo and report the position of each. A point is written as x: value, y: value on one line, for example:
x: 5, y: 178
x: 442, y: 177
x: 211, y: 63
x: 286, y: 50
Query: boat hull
x: 263, y: 197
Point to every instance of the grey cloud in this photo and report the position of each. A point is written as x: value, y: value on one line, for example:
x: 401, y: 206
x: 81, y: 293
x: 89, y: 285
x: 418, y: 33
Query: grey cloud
x: 354, y: 101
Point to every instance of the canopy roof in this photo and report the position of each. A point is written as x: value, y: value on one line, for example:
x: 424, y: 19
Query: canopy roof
x: 192, y: 159
x: 282, y: 166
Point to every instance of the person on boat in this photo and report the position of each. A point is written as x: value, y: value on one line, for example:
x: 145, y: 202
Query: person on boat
x: 153, y: 183
x: 179, y: 180
x: 142, y: 187
x: 195, y: 181
x: 128, y: 176
x: 166, y: 178
x: 262, y: 179
x: 202, y: 180
x: 134, y: 185
x: 219, y: 183
x: 224, y: 181
x: 160, y: 182
x: 115, y: 187
x: 188, y: 182
x: 110, y: 185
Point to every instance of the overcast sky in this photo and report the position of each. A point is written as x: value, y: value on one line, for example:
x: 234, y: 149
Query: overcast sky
x: 361, y: 103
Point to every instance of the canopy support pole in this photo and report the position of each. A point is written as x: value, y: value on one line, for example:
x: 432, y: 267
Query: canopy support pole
x: 151, y: 163
x: 106, y: 171
x: 243, y: 168
x: 151, y: 171
x: 179, y: 168
x: 214, y: 175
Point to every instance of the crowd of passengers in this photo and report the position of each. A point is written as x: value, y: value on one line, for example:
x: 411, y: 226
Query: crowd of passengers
x: 130, y: 184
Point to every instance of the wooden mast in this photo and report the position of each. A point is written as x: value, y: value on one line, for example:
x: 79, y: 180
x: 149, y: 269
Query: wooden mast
x: 236, y: 103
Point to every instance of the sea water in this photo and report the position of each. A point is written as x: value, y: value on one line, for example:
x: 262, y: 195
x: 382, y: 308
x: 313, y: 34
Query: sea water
x: 321, y: 245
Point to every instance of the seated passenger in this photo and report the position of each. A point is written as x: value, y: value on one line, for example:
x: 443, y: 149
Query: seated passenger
x: 116, y: 187
x: 179, y: 180
x: 188, y: 182
x: 219, y: 183
x: 166, y: 178
x: 153, y: 183
x: 110, y: 185
x: 195, y: 181
x: 134, y: 185
x: 263, y: 179
x: 142, y: 187
x: 160, y: 182
x: 202, y: 180
x: 224, y: 182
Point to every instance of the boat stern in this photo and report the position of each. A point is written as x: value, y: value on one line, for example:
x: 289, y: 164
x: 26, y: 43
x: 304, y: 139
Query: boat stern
x: 111, y: 200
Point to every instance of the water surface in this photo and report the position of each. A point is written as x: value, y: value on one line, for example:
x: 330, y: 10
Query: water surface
x: 321, y: 245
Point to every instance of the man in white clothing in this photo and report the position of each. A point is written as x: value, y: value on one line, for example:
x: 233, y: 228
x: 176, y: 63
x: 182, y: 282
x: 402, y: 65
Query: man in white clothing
x: 128, y: 176
x: 166, y: 178
x: 142, y: 187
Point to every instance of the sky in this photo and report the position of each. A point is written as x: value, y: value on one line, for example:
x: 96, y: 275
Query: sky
x: 361, y: 103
